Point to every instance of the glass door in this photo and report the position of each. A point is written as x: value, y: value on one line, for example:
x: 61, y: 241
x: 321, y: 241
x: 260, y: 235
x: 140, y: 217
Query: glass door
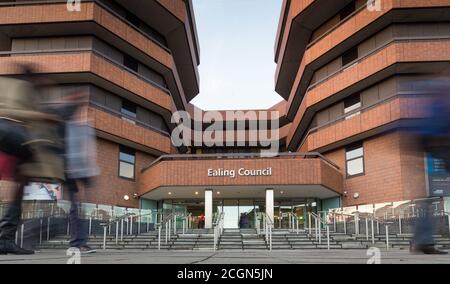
x: 231, y: 211
x: 246, y: 214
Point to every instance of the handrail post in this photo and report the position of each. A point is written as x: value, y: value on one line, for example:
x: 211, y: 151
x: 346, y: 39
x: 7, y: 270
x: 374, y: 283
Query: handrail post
x: 387, y: 237
x: 319, y: 222
x: 159, y: 237
x: 448, y: 217
x: 328, y: 237
x: 48, y: 229
x: 90, y: 226
x: 174, y: 225
x: 400, y: 223
x: 170, y: 227
x: 345, y: 224
x: 317, y: 232
x: 40, y: 231
x: 298, y: 231
x: 117, y: 232
x: 22, y: 228
x: 104, y: 237
x: 334, y: 222
x: 131, y: 225
x: 310, y: 223
x: 121, y: 230
x: 357, y: 223
x: 367, y: 229
x: 139, y: 224
x: 372, y: 231
x: 270, y: 237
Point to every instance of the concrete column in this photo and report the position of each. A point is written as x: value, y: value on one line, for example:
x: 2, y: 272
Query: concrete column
x: 208, y: 209
x: 269, y: 203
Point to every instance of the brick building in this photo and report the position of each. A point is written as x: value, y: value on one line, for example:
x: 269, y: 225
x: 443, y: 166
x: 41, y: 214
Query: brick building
x: 346, y: 71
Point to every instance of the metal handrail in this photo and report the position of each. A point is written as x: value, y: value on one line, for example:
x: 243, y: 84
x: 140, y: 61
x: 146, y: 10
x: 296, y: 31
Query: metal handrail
x: 129, y: 218
x: 318, y: 222
x: 268, y: 226
x: 294, y: 223
x: 218, y: 228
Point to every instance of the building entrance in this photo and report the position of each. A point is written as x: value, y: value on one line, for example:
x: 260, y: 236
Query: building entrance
x: 243, y: 213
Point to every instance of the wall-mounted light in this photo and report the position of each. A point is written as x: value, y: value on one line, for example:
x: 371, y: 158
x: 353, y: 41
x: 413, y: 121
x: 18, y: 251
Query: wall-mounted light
x: 126, y: 197
x: 356, y: 195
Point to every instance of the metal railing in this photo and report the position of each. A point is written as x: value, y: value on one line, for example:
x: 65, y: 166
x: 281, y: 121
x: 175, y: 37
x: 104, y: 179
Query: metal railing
x: 294, y: 223
x: 318, y: 223
x: 268, y: 226
x: 218, y: 229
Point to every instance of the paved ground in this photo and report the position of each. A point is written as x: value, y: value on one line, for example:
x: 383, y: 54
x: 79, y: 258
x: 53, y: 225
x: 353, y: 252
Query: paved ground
x: 226, y: 257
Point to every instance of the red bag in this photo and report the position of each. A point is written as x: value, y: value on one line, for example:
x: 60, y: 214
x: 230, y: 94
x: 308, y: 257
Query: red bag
x: 7, y: 167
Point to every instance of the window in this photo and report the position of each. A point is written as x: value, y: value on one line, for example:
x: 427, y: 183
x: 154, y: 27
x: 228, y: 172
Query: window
x: 350, y: 56
x: 354, y: 156
x: 351, y: 105
x: 129, y: 111
x: 130, y: 63
x: 127, y: 162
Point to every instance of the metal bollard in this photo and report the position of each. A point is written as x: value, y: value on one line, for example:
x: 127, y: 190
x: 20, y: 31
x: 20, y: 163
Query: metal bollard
x: 400, y: 224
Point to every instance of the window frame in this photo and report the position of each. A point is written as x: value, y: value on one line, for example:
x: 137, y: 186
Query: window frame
x: 127, y: 151
x: 353, y: 147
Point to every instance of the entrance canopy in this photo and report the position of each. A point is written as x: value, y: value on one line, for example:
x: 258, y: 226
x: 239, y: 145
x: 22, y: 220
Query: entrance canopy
x: 298, y: 175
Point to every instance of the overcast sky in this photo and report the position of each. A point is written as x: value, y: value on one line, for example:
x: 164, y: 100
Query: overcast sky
x: 237, y: 53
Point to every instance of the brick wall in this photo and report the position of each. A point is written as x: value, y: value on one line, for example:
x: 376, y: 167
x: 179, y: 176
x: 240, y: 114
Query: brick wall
x: 394, y: 170
x: 109, y: 188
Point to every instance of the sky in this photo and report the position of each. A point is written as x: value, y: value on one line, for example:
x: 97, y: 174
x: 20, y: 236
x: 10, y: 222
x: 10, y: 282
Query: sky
x: 237, y: 67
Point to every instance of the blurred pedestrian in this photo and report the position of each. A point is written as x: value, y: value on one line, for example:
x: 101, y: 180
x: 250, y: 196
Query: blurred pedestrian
x: 28, y: 147
x: 80, y: 157
x: 434, y: 133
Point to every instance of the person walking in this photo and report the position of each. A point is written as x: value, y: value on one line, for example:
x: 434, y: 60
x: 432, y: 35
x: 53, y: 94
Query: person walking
x: 28, y: 150
x: 79, y: 156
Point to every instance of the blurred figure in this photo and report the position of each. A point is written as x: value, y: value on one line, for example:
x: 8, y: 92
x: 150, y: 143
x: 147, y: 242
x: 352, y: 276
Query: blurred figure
x: 434, y: 133
x: 201, y: 221
x: 28, y: 149
x: 80, y: 157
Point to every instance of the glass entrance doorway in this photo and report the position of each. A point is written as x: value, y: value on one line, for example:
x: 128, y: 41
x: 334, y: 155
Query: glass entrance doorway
x: 239, y: 214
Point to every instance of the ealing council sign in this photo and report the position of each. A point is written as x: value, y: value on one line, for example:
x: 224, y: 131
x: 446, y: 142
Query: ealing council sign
x: 240, y: 172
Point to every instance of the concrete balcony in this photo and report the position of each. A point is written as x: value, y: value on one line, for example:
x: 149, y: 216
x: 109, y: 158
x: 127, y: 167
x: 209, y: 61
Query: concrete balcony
x: 291, y: 175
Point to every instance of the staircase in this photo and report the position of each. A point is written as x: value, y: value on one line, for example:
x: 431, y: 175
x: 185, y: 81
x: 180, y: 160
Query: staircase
x: 246, y: 239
